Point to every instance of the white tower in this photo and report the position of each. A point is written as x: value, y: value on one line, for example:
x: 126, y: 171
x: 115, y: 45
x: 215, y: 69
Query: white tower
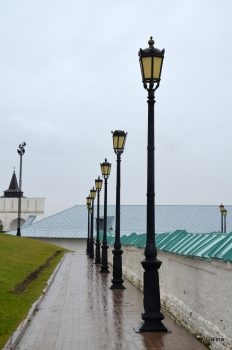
x: 9, y: 207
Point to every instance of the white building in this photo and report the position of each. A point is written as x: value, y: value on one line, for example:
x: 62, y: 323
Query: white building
x: 9, y: 207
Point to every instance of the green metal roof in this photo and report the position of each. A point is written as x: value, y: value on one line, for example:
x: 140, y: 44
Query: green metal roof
x: 200, y: 245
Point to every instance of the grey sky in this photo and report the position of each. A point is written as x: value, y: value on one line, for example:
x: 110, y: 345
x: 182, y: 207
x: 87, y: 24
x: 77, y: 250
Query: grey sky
x: 69, y: 74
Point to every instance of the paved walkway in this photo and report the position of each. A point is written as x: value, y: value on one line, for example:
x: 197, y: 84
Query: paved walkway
x: 80, y: 312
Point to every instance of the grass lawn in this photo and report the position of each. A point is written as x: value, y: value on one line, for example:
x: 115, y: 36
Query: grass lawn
x: 19, y: 257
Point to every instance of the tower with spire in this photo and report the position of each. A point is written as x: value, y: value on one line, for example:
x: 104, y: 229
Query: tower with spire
x: 30, y: 207
x: 13, y: 190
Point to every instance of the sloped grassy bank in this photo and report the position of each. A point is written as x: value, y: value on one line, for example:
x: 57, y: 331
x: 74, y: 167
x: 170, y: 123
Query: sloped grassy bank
x: 25, y: 266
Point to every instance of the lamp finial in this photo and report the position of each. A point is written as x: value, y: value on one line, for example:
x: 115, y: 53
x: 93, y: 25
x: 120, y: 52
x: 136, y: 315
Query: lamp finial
x: 151, y: 42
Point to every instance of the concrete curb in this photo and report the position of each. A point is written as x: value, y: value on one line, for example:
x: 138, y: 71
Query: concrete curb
x: 17, y: 335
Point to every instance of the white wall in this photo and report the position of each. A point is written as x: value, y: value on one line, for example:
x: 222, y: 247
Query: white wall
x: 9, y: 210
x: 28, y: 205
x: 197, y: 293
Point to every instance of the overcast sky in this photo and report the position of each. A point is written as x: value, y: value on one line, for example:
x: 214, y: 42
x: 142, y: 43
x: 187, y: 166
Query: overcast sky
x: 69, y: 74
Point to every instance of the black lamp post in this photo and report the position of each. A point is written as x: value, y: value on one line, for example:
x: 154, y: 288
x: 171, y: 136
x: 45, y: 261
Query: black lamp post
x: 21, y: 152
x: 98, y: 185
x: 221, y: 207
x: 88, y: 204
x: 105, y: 169
x: 225, y: 214
x: 119, y: 139
x: 151, y: 60
x: 91, y: 241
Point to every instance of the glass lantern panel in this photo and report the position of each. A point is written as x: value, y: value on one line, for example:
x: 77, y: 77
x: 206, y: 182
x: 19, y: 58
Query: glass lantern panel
x: 108, y: 169
x: 146, y: 61
x: 157, y: 62
x: 141, y: 67
x: 115, y: 141
x: 103, y: 170
x: 121, y: 140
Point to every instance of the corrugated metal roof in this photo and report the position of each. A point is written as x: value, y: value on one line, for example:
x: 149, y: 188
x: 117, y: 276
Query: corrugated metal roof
x: 168, y: 218
x: 223, y: 249
x: 52, y: 233
x: 204, y: 246
x: 30, y: 219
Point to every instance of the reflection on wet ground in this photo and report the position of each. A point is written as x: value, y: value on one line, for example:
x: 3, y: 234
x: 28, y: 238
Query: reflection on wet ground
x: 81, y: 312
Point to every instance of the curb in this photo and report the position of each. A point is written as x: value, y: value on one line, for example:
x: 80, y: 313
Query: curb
x: 17, y: 335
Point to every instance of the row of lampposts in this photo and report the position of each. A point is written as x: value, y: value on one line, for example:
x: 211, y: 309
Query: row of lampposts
x: 105, y: 169
x: 151, y: 61
x: 119, y: 139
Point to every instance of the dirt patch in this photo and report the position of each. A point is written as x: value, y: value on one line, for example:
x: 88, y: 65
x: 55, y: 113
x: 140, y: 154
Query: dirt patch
x: 20, y: 287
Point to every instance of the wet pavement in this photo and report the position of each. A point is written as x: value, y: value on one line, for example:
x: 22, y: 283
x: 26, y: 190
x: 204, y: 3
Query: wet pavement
x: 81, y: 312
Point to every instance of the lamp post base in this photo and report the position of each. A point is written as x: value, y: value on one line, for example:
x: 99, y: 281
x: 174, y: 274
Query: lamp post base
x: 18, y: 232
x: 152, y: 324
x: 152, y: 315
x: 117, y: 281
x: 117, y: 284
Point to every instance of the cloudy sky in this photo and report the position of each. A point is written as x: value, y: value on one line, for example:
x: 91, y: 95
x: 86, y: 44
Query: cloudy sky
x: 69, y: 74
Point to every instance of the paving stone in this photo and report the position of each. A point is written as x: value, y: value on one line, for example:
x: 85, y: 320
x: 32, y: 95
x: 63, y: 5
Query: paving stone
x: 81, y: 312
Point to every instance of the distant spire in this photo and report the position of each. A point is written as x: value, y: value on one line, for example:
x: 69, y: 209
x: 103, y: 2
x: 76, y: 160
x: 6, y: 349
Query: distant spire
x: 13, y: 190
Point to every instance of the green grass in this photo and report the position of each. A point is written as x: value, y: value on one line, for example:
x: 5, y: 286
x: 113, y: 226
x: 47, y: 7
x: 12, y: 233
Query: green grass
x: 19, y: 257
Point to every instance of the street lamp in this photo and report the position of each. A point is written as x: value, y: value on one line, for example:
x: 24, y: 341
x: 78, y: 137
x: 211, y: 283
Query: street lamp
x: 88, y: 204
x: 21, y: 151
x: 225, y: 214
x: 151, y: 61
x: 91, y: 241
x: 98, y: 185
x: 119, y: 139
x: 105, y: 169
x: 221, y: 207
